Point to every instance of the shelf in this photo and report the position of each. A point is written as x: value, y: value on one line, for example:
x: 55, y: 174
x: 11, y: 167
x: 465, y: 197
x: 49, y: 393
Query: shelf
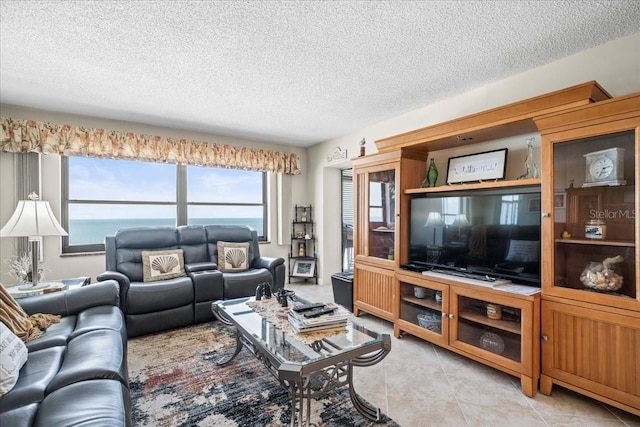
x: 384, y: 230
x: 624, y: 243
x: 302, y: 238
x: 429, y: 303
x: 504, y: 325
x: 470, y: 336
x: 302, y: 257
x: 476, y: 186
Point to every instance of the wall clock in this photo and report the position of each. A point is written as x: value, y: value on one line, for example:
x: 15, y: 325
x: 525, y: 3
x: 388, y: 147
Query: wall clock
x: 604, y: 167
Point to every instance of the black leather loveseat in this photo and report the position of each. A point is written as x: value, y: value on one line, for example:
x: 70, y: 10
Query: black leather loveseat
x: 152, y: 305
x: 76, y: 374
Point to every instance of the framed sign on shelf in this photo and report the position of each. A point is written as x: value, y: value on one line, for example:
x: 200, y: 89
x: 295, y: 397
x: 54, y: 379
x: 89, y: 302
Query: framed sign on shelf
x: 489, y: 165
x: 304, y: 268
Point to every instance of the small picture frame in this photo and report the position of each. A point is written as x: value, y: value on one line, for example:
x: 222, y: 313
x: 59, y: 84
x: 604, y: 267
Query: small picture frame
x: 559, y: 199
x: 534, y: 205
x: 304, y: 268
x: 489, y: 165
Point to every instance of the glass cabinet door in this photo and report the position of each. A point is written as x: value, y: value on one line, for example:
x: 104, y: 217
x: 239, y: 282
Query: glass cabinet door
x: 594, y: 214
x: 423, y: 306
x: 382, y: 214
x: 489, y: 326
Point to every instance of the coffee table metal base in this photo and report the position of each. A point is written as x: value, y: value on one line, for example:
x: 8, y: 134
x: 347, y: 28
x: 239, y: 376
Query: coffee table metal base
x: 304, y: 386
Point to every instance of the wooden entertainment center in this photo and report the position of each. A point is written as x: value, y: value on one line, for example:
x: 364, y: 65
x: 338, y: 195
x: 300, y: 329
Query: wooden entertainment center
x: 566, y: 333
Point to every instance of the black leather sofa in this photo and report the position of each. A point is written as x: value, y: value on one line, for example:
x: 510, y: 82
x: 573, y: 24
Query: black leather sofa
x: 76, y: 374
x: 176, y: 302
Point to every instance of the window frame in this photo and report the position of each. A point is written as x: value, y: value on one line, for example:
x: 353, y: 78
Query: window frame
x: 180, y: 204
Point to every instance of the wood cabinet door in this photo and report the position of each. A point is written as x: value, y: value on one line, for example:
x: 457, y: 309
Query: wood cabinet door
x: 373, y: 291
x: 593, y: 351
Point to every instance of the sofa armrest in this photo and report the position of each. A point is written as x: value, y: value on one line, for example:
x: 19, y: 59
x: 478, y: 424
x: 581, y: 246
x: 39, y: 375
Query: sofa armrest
x: 73, y: 301
x: 123, y: 283
x: 200, y: 266
x: 267, y: 262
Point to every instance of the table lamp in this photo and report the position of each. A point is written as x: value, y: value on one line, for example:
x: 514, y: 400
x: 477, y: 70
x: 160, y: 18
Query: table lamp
x: 33, y: 218
x: 434, y: 220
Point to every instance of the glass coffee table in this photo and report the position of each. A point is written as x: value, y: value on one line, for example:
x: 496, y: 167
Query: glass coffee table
x: 308, y: 365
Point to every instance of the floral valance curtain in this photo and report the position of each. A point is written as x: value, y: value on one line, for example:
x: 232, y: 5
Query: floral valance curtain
x: 49, y: 138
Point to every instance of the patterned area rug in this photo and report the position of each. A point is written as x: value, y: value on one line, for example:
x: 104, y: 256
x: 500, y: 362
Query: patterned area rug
x: 175, y: 381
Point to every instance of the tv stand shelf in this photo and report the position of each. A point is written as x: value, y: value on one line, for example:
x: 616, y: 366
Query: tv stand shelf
x: 460, y: 323
x: 477, y: 186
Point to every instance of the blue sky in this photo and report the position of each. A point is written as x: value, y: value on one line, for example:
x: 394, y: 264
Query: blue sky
x: 96, y: 179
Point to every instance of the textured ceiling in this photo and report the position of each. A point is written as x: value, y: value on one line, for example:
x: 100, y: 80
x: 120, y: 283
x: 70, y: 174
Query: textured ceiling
x: 296, y: 72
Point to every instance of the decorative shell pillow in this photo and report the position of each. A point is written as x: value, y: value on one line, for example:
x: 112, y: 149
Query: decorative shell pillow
x: 233, y: 257
x: 162, y: 265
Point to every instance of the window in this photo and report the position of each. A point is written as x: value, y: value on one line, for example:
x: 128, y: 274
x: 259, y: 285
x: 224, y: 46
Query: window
x: 347, y: 219
x: 226, y: 196
x: 101, y: 196
x: 509, y: 209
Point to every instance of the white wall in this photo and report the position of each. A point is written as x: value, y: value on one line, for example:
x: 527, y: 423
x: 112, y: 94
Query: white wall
x: 614, y: 65
x: 60, y: 266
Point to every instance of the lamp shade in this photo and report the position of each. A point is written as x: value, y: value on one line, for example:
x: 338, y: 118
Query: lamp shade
x: 460, y: 221
x: 32, y: 217
x: 434, y: 220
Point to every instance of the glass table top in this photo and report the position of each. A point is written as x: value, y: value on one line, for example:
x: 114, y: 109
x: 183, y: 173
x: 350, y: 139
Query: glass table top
x: 298, y: 348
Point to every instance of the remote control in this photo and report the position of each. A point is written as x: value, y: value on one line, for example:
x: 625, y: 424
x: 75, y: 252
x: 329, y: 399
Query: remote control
x: 318, y: 313
x: 307, y: 307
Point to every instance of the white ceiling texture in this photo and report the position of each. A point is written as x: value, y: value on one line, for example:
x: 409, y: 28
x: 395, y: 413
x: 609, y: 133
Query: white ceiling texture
x: 290, y: 72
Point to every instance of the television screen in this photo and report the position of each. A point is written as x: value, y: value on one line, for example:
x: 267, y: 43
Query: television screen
x: 492, y: 233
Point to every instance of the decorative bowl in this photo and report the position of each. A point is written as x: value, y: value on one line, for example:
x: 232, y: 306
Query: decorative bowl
x: 430, y: 321
x: 492, y: 342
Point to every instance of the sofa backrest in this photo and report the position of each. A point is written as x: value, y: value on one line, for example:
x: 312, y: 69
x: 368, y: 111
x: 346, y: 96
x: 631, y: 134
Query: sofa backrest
x: 123, y: 251
x: 192, y: 240
x: 231, y: 233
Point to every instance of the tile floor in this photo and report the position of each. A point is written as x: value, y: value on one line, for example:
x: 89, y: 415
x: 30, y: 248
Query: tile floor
x: 419, y: 384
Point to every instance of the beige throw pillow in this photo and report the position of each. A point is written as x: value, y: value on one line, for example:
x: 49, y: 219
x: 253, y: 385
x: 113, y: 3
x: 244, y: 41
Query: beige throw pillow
x: 233, y: 257
x: 162, y: 265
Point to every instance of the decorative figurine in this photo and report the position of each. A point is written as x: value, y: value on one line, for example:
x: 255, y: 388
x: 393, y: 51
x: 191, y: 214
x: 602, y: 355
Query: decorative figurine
x: 532, y: 170
x: 362, y: 142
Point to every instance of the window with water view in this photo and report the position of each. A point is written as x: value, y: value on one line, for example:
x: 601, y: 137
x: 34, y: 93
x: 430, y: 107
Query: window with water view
x: 101, y: 196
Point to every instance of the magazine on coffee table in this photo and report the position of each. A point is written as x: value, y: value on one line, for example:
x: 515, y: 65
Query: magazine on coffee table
x: 322, y: 317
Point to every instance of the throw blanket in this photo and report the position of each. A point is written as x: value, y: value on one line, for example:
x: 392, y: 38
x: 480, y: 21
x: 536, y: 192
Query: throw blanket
x: 27, y: 328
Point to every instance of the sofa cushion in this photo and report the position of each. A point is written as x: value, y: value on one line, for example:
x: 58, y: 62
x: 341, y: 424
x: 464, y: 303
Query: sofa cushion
x: 162, y: 265
x: 100, y: 317
x: 55, y: 335
x: 158, y: 296
x: 40, y: 369
x: 13, y: 354
x: 24, y: 416
x: 93, y: 355
x: 233, y: 257
x: 238, y: 285
x: 88, y: 403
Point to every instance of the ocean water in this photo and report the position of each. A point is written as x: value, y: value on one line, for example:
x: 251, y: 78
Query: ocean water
x: 92, y: 231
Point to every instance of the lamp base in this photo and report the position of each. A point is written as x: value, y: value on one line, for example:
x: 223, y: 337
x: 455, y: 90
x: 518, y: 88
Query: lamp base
x: 32, y: 287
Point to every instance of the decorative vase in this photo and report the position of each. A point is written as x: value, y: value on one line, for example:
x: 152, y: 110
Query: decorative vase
x: 432, y: 174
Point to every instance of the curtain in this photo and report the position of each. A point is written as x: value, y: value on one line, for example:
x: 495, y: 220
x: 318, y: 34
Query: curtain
x: 22, y: 136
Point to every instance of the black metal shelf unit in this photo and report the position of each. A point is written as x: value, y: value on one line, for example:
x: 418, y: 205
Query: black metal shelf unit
x: 303, y: 262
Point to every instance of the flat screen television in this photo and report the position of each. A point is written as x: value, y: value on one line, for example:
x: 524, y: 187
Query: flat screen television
x: 492, y: 234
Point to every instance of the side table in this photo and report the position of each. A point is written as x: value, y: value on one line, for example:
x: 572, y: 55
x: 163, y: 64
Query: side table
x: 54, y: 286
